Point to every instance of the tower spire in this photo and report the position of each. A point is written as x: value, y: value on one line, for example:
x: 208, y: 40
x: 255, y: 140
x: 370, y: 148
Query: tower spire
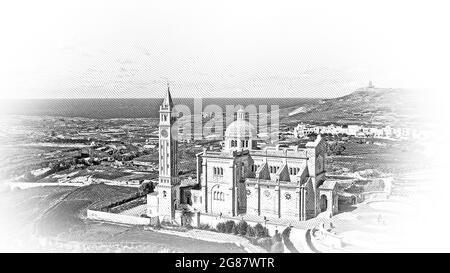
x: 168, y: 99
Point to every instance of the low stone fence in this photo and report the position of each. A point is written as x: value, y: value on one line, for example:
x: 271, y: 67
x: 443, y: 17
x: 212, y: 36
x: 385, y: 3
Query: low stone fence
x: 373, y: 195
x: 120, y: 218
x: 28, y: 185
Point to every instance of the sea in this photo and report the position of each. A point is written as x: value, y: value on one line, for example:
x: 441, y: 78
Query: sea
x: 108, y: 108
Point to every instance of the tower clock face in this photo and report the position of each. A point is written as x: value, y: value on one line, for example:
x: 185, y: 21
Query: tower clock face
x: 164, y: 133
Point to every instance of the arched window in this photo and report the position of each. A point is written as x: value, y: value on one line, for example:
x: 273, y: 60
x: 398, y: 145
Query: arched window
x: 221, y: 171
x: 222, y: 197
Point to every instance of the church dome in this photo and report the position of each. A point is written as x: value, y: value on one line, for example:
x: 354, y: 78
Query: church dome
x: 240, y: 128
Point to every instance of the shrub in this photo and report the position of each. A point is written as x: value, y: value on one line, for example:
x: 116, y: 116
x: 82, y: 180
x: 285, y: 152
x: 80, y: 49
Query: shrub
x: 242, y: 228
x: 186, y: 217
x: 221, y: 227
x: 158, y: 223
x: 235, y: 230
x: 145, y: 188
x: 205, y: 227
x: 266, y: 232
x: 250, y: 231
x: 229, y: 226
x: 261, y: 231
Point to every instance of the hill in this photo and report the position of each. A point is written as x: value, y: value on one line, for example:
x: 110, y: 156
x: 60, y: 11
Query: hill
x: 378, y: 106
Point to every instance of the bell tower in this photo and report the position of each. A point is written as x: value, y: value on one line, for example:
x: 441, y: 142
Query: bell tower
x: 168, y: 186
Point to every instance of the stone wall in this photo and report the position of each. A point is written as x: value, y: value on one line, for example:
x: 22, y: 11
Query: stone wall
x: 373, y: 195
x: 119, y: 218
x: 28, y: 185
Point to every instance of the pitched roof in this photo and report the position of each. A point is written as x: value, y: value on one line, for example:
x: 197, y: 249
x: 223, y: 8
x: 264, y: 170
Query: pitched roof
x: 328, y: 185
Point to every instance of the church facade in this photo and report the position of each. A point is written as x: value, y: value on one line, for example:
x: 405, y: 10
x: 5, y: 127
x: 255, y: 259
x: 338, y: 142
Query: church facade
x: 241, y: 180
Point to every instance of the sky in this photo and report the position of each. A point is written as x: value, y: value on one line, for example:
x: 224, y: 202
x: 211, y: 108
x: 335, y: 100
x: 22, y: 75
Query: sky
x: 111, y: 49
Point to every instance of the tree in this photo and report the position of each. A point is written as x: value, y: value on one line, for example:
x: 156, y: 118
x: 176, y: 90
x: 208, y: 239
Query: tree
x: 260, y: 231
x: 242, y: 228
x: 235, y: 230
x: 146, y: 188
x: 250, y: 231
x: 335, y: 149
x: 221, y: 227
x: 158, y: 223
x: 186, y: 217
x: 229, y: 226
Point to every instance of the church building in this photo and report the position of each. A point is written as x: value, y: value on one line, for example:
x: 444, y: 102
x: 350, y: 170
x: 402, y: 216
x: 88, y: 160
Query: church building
x: 241, y: 180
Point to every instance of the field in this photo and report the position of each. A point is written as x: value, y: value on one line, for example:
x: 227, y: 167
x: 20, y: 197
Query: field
x: 58, y: 213
x: 52, y: 210
x: 387, y: 157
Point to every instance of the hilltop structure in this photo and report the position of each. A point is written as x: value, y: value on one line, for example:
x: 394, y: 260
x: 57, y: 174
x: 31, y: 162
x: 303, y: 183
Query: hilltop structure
x: 241, y: 181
